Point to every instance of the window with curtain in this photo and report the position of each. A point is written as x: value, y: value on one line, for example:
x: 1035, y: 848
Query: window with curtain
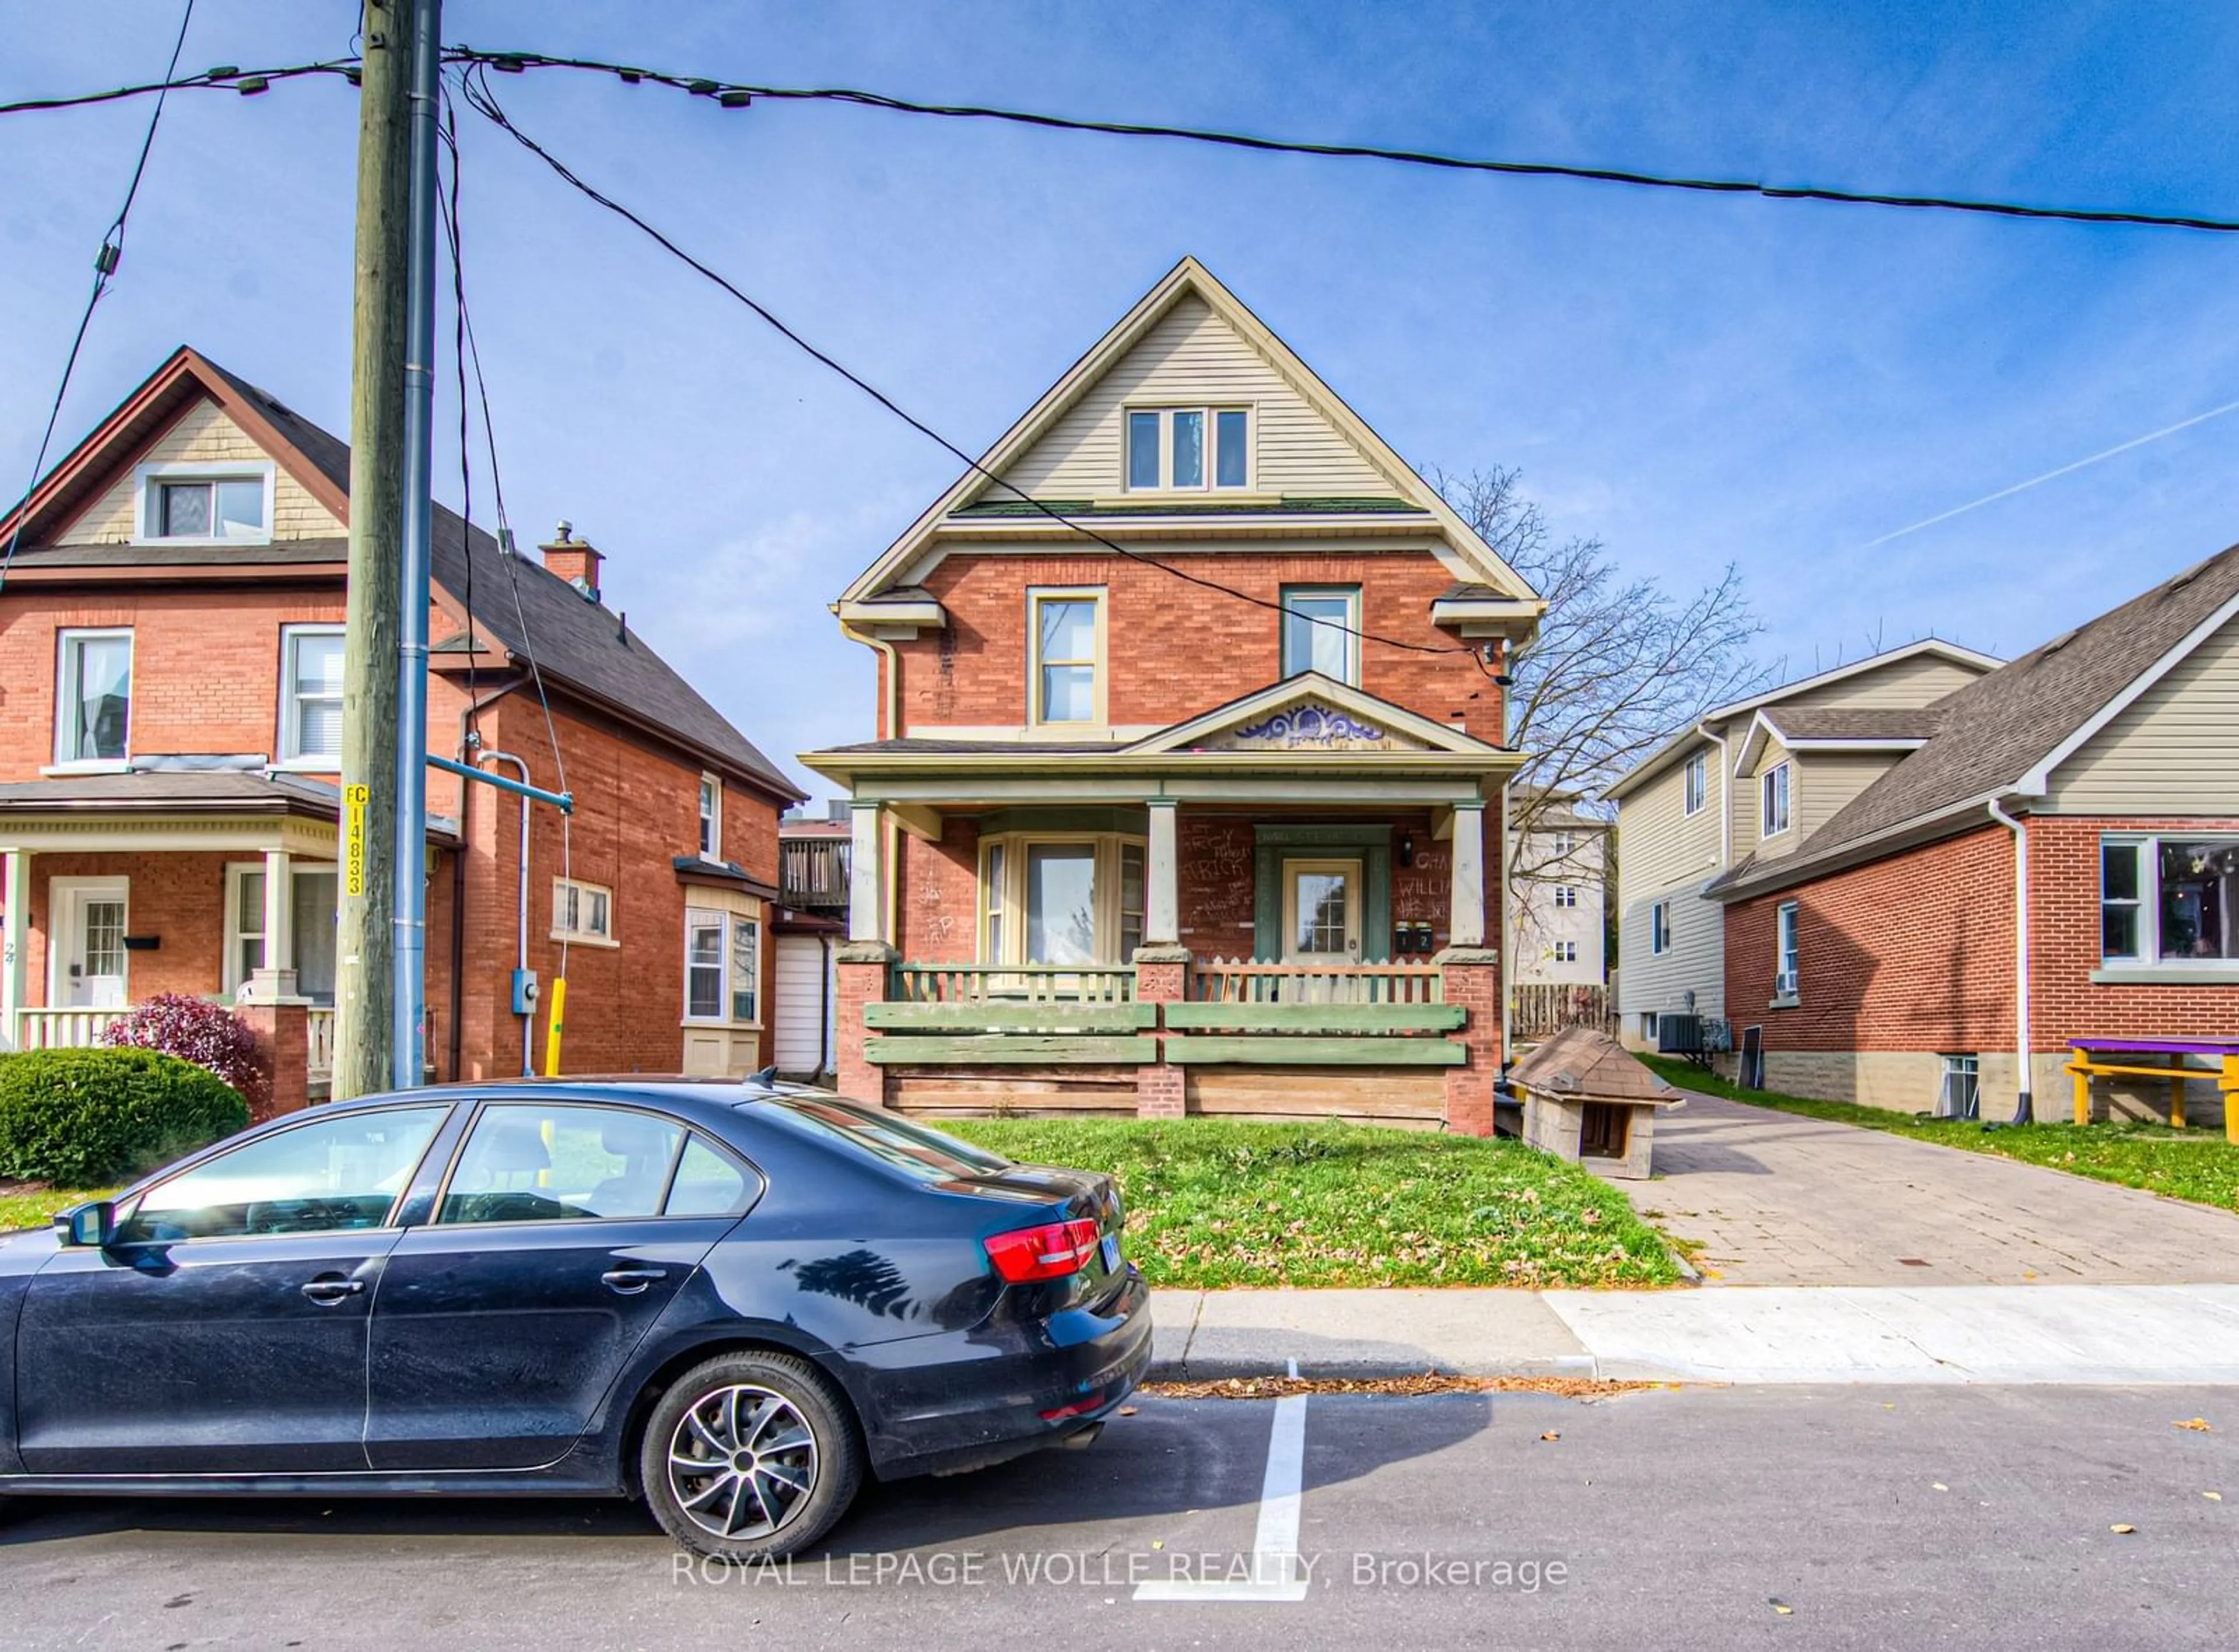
x: 312, y: 679
x: 1321, y: 631
x: 94, y: 709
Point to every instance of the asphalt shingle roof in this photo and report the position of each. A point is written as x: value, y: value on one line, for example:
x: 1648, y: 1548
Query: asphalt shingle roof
x: 1842, y: 722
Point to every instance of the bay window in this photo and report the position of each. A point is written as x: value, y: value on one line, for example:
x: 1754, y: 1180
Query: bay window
x: 2168, y: 898
x: 723, y: 966
x: 1072, y: 899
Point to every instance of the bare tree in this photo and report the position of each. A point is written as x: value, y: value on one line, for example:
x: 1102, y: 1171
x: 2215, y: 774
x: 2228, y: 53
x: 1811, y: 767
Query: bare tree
x: 1620, y: 664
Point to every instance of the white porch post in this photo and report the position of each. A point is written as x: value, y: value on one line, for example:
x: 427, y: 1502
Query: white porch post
x: 14, y: 950
x: 1162, y: 922
x: 1467, y: 922
x: 277, y: 978
x: 867, y: 902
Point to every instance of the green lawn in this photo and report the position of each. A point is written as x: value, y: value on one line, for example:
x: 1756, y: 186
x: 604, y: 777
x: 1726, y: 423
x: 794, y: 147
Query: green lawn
x: 2195, y: 1165
x: 35, y: 1209
x: 1213, y: 1203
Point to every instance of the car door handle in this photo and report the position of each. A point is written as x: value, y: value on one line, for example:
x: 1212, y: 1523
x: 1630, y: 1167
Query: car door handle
x: 327, y: 1292
x: 628, y: 1282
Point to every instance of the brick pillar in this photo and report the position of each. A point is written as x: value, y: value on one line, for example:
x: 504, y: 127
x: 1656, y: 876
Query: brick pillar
x: 283, y: 1046
x: 1161, y: 977
x: 861, y: 967
x: 1471, y: 978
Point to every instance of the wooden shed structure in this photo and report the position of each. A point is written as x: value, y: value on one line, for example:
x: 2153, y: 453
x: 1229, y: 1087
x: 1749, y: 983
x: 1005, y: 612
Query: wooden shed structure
x: 1585, y: 1098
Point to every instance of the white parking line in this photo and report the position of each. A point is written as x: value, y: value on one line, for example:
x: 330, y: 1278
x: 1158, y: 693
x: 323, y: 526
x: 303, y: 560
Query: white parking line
x: 1273, y: 1573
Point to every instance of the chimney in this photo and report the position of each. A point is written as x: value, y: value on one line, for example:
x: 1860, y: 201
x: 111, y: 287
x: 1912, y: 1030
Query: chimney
x: 572, y: 559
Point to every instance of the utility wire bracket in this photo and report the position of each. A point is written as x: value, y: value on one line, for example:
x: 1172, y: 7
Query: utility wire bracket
x: 563, y: 801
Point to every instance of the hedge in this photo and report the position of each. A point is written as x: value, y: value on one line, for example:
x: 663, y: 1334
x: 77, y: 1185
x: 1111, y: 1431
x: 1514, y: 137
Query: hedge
x: 89, y: 1118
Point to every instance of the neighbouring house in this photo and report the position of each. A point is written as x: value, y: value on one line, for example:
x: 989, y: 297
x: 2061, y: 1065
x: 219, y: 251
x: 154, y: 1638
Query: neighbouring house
x: 1187, y: 768
x: 2059, y: 860
x: 171, y: 660
x: 810, y: 925
x: 1559, y: 866
x: 1751, y: 780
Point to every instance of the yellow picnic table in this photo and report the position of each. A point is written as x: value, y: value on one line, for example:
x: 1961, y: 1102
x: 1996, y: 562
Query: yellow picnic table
x: 2104, y: 1058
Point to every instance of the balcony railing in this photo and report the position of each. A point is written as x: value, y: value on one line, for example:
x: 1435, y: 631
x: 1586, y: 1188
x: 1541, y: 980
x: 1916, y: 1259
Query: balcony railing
x: 813, y: 873
x: 1023, y: 982
x: 319, y: 1039
x: 1237, y: 981
x: 64, y: 1028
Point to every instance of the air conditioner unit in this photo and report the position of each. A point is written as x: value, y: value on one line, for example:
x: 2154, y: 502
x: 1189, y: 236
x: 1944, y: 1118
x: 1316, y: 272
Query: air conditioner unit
x: 1783, y: 985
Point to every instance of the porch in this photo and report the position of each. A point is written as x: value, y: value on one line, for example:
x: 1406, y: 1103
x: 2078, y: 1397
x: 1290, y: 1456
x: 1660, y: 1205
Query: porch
x: 82, y: 1029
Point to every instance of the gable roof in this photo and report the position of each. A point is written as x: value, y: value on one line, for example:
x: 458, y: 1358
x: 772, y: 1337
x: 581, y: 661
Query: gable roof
x: 1662, y: 758
x: 1837, y: 728
x: 2003, y: 734
x: 575, y: 641
x: 1413, y: 497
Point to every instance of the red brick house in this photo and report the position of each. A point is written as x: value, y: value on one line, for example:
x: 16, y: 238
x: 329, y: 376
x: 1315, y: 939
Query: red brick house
x: 170, y: 657
x: 2090, y: 787
x: 1188, y: 767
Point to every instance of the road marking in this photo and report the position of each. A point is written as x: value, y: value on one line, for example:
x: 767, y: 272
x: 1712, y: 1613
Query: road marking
x: 1275, y: 1574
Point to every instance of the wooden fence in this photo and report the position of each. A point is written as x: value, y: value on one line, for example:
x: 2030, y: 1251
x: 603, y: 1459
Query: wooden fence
x: 1028, y: 984
x: 1544, y: 1008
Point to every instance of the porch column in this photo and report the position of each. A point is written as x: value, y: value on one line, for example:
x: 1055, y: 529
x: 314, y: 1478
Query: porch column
x: 1466, y: 925
x: 15, y: 949
x: 277, y: 978
x: 1162, y: 911
x: 866, y: 901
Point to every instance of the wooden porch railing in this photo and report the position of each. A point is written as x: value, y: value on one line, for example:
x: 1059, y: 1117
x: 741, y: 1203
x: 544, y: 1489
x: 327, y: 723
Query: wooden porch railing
x: 1237, y: 981
x: 1027, y: 983
x: 64, y: 1028
x: 319, y: 1039
x: 813, y: 871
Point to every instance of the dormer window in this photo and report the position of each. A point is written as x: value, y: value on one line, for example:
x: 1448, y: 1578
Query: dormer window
x: 1188, y: 449
x: 214, y: 505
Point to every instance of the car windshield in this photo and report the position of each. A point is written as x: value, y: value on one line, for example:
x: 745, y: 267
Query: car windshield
x: 925, y: 1154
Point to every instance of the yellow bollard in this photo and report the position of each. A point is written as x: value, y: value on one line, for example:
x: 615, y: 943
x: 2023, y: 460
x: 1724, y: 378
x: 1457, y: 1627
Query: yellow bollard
x: 552, y: 1027
x: 2176, y: 1100
x: 2083, y: 1091
x: 2230, y: 1086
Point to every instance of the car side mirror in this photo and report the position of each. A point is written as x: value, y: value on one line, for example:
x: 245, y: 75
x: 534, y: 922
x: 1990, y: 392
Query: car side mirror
x: 91, y: 1225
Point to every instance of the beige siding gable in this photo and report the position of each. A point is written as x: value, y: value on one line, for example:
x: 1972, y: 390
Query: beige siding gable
x: 1902, y: 685
x: 1191, y: 355
x: 204, y: 434
x: 2173, y: 751
x: 1825, y: 782
x: 1660, y: 846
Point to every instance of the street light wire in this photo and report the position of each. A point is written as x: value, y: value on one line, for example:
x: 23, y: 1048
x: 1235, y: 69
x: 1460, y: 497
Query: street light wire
x: 105, y: 264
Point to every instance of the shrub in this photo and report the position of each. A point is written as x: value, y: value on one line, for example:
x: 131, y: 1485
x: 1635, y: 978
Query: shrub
x: 87, y: 1117
x: 210, y: 1035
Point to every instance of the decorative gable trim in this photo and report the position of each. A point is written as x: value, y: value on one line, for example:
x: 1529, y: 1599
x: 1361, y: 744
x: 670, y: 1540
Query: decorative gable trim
x: 1310, y: 713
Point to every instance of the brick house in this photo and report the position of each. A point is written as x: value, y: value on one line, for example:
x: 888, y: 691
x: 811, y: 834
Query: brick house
x: 2090, y: 786
x: 171, y: 658
x: 1128, y: 842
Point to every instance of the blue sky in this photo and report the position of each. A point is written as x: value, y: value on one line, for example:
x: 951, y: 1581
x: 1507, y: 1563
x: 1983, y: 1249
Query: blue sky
x: 1695, y: 379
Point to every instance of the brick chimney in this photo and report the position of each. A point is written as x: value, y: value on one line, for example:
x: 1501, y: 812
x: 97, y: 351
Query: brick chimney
x: 572, y: 559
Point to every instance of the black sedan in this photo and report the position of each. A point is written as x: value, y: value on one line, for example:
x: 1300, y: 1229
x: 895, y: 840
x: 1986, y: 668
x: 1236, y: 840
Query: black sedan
x: 731, y: 1300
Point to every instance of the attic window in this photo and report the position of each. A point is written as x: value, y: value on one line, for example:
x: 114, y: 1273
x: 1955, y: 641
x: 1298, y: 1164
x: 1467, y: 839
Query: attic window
x: 224, y: 504
x: 1188, y: 449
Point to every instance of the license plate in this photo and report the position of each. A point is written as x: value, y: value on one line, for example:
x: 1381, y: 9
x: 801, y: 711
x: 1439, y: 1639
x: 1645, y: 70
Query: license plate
x: 1111, y: 1253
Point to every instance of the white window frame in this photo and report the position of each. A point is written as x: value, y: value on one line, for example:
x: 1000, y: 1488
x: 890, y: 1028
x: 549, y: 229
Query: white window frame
x: 231, y: 976
x: 1099, y: 705
x: 2147, y: 846
x: 1775, y: 785
x: 1349, y: 595
x: 1787, y: 950
x: 291, y: 756
x: 66, y: 900
x: 710, y: 805
x: 1211, y: 411
x: 1002, y: 876
x: 1660, y: 928
x: 1695, y: 784
x: 1564, y: 952
x: 729, y: 921
x: 1968, y: 1070
x: 577, y: 934
x: 146, y: 516
x: 67, y: 641
x: 1566, y: 895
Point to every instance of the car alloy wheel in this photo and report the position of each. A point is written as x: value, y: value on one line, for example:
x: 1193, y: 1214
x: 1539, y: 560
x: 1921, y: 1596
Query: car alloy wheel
x: 750, y: 1456
x: 742, y: 1462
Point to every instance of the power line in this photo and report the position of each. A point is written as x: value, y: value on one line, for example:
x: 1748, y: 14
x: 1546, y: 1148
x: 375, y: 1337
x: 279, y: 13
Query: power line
x: 104, y: 266
x: 736, y: 93
x: 478, y: 92
x: 224, y: 77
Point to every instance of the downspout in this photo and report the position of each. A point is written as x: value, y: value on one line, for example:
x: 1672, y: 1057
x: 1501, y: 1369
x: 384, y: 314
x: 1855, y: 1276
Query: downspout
x: 1726, y: 799
x: 2024, y: 1112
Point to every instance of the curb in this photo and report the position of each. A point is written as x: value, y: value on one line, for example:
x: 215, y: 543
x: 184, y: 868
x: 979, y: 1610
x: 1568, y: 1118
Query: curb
x: 1219, y: 1369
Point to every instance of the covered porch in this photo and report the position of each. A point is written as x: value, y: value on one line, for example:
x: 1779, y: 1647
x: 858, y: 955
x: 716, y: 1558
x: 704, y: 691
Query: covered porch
x: 1283, y: 908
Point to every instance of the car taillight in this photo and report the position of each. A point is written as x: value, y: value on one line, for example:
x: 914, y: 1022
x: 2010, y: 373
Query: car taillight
x: 1049, y: 1252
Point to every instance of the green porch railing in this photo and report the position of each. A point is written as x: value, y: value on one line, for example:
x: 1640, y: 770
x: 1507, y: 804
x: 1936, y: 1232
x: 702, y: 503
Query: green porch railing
x: 1237, y: 981
x: 1010, y: 983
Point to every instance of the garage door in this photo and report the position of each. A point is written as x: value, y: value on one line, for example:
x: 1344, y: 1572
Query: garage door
x: 800, y: 1002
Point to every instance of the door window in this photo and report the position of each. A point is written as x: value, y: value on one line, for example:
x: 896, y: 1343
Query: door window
x: 527, y: 1162
x: 319, y: 1177
x: 1321, y: 917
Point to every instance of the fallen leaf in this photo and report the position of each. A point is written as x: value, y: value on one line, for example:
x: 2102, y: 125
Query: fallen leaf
x: 1128, y: 1410
x: 2213, y: 1496
x: 1157, y: 1542
x: 2121, y: 1531
x: 1889, y: 1405
x: 1782, y: 1607
x: 1940, y: 1486
x: 2196, y: 1424
x: 1550, y: 1434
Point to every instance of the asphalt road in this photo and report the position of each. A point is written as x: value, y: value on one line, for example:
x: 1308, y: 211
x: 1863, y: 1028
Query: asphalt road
x: 1875, y: 1516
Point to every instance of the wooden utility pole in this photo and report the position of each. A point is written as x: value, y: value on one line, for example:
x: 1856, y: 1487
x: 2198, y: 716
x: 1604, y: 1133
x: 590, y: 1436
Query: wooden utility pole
x: 364, y: 988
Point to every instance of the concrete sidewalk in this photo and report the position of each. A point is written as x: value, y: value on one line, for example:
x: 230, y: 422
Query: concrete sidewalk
x: 2015, y: 1334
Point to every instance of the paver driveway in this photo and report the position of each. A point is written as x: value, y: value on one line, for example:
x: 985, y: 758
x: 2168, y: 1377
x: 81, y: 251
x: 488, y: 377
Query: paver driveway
x: 1782, y: 1200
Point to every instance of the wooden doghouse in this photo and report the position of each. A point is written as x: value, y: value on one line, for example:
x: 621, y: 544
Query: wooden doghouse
x: 1585, y: 1098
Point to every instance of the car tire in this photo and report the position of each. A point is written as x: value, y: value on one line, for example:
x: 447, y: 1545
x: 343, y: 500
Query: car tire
x: 750, y: 1456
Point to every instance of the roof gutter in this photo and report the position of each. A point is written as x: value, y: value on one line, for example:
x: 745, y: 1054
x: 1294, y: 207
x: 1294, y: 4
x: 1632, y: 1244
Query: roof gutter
x: 2024, y: 1110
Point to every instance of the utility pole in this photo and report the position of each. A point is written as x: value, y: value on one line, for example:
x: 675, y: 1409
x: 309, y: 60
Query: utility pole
x: 364, y: 975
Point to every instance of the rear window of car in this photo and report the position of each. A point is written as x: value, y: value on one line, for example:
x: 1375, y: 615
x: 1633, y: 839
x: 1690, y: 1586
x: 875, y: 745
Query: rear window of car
x: 927, y: 1155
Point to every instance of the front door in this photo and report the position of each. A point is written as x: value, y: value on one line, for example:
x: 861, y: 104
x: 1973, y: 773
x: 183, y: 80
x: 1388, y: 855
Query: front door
x: 223, y: 1331
x: 1321, y: 911
x: 501, y: 1324
x: 89, y: 918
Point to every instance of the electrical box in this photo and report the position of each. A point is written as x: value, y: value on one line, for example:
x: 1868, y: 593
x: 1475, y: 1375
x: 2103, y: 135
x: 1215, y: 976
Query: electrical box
x: 524, y: 991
